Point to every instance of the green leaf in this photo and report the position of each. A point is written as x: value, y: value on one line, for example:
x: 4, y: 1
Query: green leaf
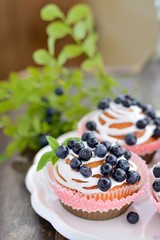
x: 46, y: 157
x: 79, y: 30
x: 3, y: 157
x: 51, y: 45
x: 41, y: 56
x: 74, y: 138
x: 57, y: 30
x: 36, y: 123
x: 88, y: 65
x: 5, y: 106
x: 51, y: 12
x: 52, y: 142
x: 68, y: 52
x: 54, y: 157
x: 89, y: 44
x: 77, y: 13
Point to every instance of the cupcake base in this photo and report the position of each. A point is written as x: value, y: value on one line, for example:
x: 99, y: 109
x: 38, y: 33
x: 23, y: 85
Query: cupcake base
x: 112, y: 213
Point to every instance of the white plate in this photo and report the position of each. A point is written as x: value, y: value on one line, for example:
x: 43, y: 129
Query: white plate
x: 45, y: 203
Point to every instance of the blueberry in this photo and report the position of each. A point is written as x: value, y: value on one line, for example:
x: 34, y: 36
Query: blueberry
x: 119, y: 175
x: 87, y: 135
x: 142, y: 106
x: 59, y: 91
x: 75, y: 163
x: 156, y: 185
x: 62, y: 151
x: 85, y: 154
x: 111, y: 159
x: 142, y: 123
x: 106, y: 144
x: 100, y: 150
x: 132, y: 217
x: 77, y: 147
x: 43, y: 141
x: 117, y: 150
x: 106, y: 169
x: 150, y: 113
x: 103, y: 104
x: 123, y: 164
x: 85, y: 171
x: 132, y: 177
x: 50, y: 111
x: 157, y: 121
x: 104, y: 184
x: 49, y: 120
x: 156, y: 132
x: 71, y: 143
x: 119, y: 99
x: 129, y: 97
x: 127, y: 103
x: 92, y: 142
x: 127, y: 154
x: 156, y: 171
x: 91, y: 125
x: 130, y: 139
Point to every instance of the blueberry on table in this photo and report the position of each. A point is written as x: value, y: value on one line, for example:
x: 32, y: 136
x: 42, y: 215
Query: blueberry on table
x: 62, y: 152
x: 117, y: 150
x: 127, y: 154
x: 87, y: 135
x: 71, y: 143
x: 142, y: 123
x: 85, y: 154
x: 123, y: 164
x: 132, y: 217
x: 59, y: 91
x: 156, y: 132
x: 106, y: 144
x: 106, y: 169
x: 156, y: 185
x: 130, y: 139
x: 43, y: 141
x: 91, y: 125
x: 104, y: 184
x: 103, y: 104
x: 111, y: 159
x: 100, y: 150
x: 85, y: 171
x: 132, y: 177
x: 119, y: 175
x: 92, y: 142
x: 77, y: 147
x: 156, y: 171
x: 75, y: 163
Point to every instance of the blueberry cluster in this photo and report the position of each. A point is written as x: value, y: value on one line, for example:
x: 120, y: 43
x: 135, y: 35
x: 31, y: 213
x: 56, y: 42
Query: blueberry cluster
x: 156, y: 183
x: 115, y: 166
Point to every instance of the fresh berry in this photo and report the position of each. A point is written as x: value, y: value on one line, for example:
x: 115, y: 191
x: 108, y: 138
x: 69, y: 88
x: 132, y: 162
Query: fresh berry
x: 142, y: 123
x: 91, y: 125
x: 156, y: 171
x: 71, y: 143
x: 85, y: 171
x: 100, y: 150
x: 75, y: 163
x: 142, y: 106
x: 156, y: 132
x: 85, y: 154
x: 117, y: 150
x: 43, y: 141
x: 62, y: 151
x: 106, y: 169
x: 104, y: 184
x: 103, y: 104
x: 111, y: 159
x: 50, y: 111
x: 150, y: 113
x: 127, y: 103
x: 157, y: 121
x: 49, y: 120
x: 156, y: 185
x: 119, y: 175
x: 87, y: 135
x: 130, y: 139
x: 59, y: 91
x: 127, y: 154
x: 132, y: 217
x: 92, y: 142
x: 123, y: 164
x: 106, y: 144
x: 129, y: 97
x: 132, y: 177
x: 77, y: 147
x: 119, y: 99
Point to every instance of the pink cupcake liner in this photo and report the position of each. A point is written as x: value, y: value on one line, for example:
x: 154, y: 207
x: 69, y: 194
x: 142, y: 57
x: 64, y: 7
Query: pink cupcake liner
x: 90, y: 204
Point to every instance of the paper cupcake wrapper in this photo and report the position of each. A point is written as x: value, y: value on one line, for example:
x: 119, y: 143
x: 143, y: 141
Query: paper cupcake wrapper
x: 97, y: 202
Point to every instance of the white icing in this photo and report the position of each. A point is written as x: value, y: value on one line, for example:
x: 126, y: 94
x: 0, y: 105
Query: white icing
x: 122, y: 115
x: 69, y: 174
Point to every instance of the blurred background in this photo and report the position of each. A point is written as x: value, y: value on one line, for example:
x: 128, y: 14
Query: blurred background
x: 127, y: 29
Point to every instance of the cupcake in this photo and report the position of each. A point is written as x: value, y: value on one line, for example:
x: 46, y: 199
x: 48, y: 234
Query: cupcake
x: 94, y: 180
x: 126, y: 121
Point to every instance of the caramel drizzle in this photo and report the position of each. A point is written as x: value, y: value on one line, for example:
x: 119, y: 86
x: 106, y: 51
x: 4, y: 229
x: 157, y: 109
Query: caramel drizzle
x: 79, y: 181
x: 94, y: 164
x: 60, y: 175
x: 97, y: 176
x: 90, y: 188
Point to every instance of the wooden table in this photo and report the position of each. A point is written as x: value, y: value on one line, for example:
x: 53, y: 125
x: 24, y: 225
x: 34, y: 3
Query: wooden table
x: 18, y: 221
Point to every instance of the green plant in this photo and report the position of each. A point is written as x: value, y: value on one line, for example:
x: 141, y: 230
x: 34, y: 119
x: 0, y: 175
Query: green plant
x: 52, y: 98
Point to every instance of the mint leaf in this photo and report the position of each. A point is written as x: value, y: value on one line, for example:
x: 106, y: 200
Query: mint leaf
x: 67, y: 139
x: 58, y: 30
x: 79, y: 30
x: 52, y: 142
x: 54, y: 157
x: 77, y: 12
x: 41, y: 56
x: 46, y: 157
x: 50, y: 12
x: 68, y: 52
